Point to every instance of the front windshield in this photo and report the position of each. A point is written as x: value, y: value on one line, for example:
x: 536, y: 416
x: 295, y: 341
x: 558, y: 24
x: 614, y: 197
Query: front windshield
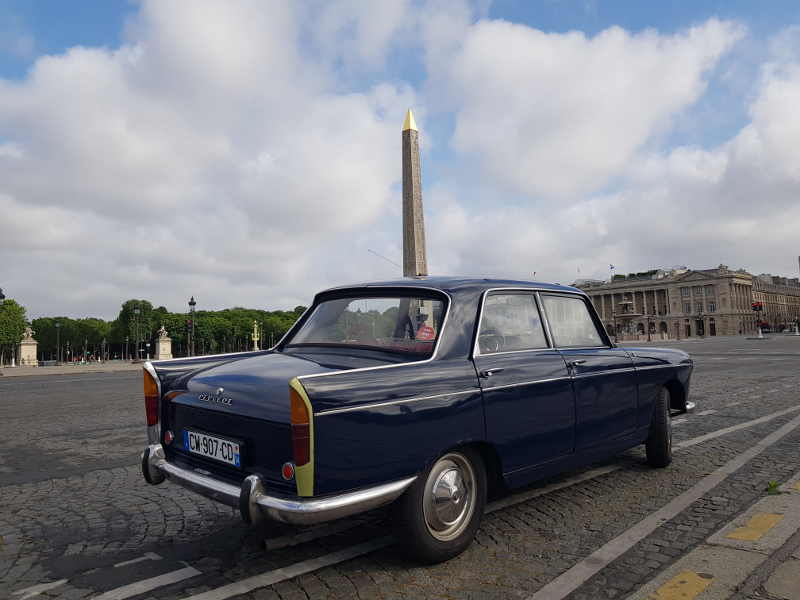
x: 404, y: 324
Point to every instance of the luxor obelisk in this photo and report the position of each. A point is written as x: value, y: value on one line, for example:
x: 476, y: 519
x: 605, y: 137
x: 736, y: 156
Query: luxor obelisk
x: 415, y: 261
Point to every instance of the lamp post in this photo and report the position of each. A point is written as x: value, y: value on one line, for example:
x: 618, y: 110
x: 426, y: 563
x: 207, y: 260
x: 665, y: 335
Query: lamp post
x: 126, y: 354
x: 103, y: 350
x: 136, y: 312
x: 58, y: 343
x: 68, y: 352
x: 192, y: 304
x: 648, y: 328
x: 614, y: 320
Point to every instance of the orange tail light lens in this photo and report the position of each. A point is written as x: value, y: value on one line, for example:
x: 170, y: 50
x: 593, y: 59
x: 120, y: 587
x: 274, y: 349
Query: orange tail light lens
x: 301, y: 429
x: 150, y: 399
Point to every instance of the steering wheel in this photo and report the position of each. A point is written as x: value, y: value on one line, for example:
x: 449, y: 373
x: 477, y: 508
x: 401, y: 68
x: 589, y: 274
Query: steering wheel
x: 490, y: 341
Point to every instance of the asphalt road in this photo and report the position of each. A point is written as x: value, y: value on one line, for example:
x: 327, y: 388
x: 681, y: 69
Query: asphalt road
x: 78, y: 521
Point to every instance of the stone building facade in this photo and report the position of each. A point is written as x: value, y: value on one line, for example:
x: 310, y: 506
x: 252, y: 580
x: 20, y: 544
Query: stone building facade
x: 685, y: 303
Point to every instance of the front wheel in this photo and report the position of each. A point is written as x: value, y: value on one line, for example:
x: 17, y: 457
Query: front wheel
x: 436, y: 519
x: 659, y: 442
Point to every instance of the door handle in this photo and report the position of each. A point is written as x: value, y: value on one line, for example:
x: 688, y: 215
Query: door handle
x: 489, y: 372
x: 575, y: 363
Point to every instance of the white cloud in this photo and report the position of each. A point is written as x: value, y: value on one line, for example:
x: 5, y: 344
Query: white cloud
x: 207, y: 156
x: 561, y: 114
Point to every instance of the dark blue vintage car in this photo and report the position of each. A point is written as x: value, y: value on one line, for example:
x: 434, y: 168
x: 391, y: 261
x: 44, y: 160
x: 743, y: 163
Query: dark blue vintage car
x: 430, y: 393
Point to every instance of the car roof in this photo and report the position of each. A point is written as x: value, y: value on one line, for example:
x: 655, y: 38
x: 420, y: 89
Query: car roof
x: 455, y: 284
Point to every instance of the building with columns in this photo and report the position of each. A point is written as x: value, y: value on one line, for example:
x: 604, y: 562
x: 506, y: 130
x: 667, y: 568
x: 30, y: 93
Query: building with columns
x: 682, y: 303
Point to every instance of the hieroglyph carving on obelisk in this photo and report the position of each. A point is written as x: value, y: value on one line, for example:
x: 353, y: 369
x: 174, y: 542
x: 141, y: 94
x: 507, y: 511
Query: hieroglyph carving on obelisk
x: 414, y: 258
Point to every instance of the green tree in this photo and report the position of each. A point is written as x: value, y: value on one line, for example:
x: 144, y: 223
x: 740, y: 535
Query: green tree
x: 12, y: 325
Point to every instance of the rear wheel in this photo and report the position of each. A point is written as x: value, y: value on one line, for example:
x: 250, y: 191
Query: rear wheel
x: 436, y: 519
x: 659, y: 441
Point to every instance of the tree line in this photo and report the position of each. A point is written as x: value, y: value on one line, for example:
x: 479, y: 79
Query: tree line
x: 137, y: 324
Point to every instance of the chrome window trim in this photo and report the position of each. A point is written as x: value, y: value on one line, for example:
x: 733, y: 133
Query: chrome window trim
x: 335, y: 411
x: 521, y: 383
x: 593, y: 316
x: 534, y: 291
x: 434, y: 354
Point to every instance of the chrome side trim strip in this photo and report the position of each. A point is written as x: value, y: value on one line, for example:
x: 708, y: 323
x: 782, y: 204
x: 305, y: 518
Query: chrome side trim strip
x: 405, y: 364
x: 513, y: 385
x: 655, y: 367
x: 335, y: 411
x: 603, y: 372
x: 200, y: 356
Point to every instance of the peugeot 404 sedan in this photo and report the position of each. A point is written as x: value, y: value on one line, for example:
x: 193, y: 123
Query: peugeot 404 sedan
x: 427, y: 393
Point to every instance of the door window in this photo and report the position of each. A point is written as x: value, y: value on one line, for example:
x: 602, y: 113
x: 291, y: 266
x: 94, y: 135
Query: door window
x: 570, y: 322
x: 510, y: 322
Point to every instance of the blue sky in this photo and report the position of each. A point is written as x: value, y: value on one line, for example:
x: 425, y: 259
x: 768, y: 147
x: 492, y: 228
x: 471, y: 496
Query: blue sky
x: 558, y: 136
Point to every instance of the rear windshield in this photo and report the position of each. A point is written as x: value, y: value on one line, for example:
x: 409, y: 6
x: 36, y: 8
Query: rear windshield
x: 401, y: 324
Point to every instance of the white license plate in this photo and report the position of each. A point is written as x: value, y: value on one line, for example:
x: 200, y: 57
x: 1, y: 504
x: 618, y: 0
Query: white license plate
x: 213, y: 447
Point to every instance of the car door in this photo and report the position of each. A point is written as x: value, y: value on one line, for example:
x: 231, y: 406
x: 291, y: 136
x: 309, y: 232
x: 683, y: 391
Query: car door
x: 604, y: 379
x: 527, y: 391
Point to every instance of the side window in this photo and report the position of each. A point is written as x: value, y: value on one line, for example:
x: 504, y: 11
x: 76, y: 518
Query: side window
x: 510, y: 322
x: 570, y: 322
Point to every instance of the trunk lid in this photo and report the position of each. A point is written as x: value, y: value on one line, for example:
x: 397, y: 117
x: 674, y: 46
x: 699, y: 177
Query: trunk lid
x: 245, y: 400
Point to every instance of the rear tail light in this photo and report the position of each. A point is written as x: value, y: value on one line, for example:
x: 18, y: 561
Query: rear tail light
x: 150, y: 399
x: 301, y: 429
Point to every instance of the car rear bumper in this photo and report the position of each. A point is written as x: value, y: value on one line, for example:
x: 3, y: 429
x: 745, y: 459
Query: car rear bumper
x: 255, y: 504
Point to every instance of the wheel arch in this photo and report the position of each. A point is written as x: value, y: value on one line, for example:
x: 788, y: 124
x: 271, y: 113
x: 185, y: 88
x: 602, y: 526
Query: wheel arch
x: 677, y: 395
x: 491, y: 461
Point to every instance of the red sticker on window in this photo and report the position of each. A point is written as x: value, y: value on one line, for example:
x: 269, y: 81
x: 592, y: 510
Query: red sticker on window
x: 425, y: 333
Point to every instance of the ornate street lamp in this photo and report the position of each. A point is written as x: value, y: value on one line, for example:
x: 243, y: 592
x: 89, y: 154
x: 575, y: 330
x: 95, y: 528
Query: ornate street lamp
x: 192, y: 304
x: 58, y: 343
x: 136, y: 312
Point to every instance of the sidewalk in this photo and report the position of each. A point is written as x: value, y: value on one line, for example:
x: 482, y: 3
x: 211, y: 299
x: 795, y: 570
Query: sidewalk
x: 755, y: 556
x: 70, y: 369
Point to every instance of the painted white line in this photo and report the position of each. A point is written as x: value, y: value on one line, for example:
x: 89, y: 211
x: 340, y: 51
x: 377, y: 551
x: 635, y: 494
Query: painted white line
x: 733, y: 404
x: 679, y: 422
x: 313, y: 534
x: 272, y: 577
x: 147, y: 585
x: 573, y: 578
x: 147, y: 556
x: 35, y: 590
x: 706, y: 412
x: 732, y: 428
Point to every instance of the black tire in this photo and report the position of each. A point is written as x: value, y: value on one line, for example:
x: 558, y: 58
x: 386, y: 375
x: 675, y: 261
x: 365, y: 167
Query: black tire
x: 422, y: 526
x: 659, y: 442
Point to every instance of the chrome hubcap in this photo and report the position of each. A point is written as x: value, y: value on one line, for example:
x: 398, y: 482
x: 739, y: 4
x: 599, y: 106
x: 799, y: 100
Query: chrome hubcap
x: 449, y: 499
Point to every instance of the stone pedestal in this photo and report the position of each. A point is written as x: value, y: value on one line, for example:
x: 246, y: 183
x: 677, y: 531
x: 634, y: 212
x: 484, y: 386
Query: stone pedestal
x: 27, y: 349
x: 163, y: 348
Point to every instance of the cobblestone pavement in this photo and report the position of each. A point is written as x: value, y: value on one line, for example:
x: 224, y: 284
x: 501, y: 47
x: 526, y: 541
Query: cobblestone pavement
x: 78, y: 521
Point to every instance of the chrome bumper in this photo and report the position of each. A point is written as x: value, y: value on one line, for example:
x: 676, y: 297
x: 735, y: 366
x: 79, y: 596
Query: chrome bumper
x: 254, y: 503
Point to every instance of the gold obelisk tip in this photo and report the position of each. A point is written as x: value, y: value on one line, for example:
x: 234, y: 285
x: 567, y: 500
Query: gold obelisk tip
x: 410, y: 123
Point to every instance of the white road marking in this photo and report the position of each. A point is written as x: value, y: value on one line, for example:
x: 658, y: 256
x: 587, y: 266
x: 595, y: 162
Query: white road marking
x: 732, y: 428
x: 147, y: 556
x: 573, y: 578
x: 147, y: 585
x: 706, y: 412
x: 277, y: 575
x: 35, y: 590
x: 733, y: 404
x: 679, y: 422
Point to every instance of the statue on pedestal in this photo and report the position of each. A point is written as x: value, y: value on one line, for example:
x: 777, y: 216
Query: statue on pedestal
x: 27, y: 349
x: 163, y: 344
x: 256, y: 337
